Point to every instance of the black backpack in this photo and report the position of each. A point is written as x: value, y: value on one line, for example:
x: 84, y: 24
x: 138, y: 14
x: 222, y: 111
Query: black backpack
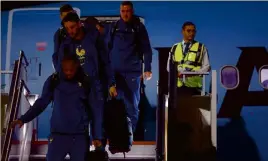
x: 117, y: 127
x: 136, y: 28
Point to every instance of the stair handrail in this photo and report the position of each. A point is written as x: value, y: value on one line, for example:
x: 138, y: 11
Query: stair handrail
x: 12, y: 106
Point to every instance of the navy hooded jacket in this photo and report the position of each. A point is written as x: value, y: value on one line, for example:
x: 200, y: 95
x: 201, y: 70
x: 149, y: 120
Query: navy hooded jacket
x: 96, y: 52
x: 57, y: 39
x: 124, y: 57
x: 70, y: 112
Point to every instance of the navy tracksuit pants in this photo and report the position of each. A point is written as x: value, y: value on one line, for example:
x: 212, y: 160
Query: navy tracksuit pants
x: 77, y: 146
x: 128, y: 89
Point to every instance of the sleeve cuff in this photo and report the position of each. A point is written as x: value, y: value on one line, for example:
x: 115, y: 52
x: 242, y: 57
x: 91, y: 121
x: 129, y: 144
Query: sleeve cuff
x: 148, y: 68
x: 112, y: 82
x: 22, y: 118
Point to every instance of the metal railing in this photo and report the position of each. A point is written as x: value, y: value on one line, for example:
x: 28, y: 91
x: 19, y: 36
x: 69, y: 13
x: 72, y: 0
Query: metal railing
x: 170, y: 101
x: 26, y: 130
x: 212, y: 109
x: 184, y: 74
x: 13, y: 105
x: 213, y: 100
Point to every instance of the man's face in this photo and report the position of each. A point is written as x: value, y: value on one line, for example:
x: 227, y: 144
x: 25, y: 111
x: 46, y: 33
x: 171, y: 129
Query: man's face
x: 63, y: 14
x: 126, y: 12
x: 69, y: 68
x: 72, y: 28
x: 189, y: 32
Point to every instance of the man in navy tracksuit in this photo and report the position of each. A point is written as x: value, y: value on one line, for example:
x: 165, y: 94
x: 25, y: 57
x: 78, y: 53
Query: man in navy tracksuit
x: 71, y: 111
x: 127, y: 46
x: 93, y: 22
x: 89, y: 47
x: 61, y: 34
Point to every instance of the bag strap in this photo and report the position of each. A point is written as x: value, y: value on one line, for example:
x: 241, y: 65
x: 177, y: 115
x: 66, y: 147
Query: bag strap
x: 86, y: 84
x: 112, y: 34
x: 62, y: 35
x: 136, y: 27
x: 54, y: 81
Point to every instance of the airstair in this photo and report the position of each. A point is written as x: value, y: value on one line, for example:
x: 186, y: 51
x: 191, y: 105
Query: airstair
x: 23, y: 145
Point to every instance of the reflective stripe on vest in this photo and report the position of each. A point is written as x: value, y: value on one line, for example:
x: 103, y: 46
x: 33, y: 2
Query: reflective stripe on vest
x: 190, y: 62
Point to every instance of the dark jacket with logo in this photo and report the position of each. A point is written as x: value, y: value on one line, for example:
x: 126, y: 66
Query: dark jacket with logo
x: 91, y: 51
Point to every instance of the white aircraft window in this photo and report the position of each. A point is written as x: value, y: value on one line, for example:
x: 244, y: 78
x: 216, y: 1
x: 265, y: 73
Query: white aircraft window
x: 229, y: 76
x: 264, y: 76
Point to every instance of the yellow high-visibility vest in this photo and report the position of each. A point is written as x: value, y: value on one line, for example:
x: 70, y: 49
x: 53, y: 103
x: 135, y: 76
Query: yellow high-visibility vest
x: 192, y: 61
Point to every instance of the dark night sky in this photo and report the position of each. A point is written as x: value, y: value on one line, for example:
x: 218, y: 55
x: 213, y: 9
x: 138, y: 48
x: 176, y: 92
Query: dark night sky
x: 8, y: 5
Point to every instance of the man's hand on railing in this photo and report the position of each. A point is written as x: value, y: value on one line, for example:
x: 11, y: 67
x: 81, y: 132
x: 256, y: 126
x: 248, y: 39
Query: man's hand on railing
x: 16, y: 122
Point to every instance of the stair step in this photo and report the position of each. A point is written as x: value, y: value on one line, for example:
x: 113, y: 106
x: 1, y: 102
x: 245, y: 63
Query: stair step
x: 112, y: 158
x: 138, y: 152
x: 43, y: 159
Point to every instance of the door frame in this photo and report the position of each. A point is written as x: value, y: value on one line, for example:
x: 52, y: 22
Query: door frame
x: 110, y: 18
x: 9, y: 35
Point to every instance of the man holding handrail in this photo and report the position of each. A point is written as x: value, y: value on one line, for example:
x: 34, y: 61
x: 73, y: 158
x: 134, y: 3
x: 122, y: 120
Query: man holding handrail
x: 70, y: 92
x: 191, y: 56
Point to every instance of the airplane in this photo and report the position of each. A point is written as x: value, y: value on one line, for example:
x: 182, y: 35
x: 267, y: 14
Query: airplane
x: 235, y: 34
